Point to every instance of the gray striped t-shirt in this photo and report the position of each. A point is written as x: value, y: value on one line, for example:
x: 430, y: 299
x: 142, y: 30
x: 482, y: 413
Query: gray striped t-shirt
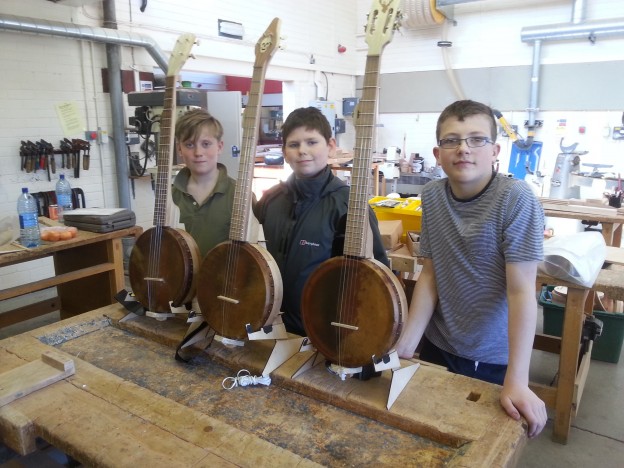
x: 469, y: 242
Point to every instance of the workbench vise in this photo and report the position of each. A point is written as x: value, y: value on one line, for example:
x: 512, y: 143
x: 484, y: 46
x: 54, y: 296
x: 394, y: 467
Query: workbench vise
x: 592, y: 329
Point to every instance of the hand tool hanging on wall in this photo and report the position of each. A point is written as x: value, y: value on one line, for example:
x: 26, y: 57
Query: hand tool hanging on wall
x: 25, y: 156
x: 76, y: 157
x: 32, y: 160
x: 43, y: 158
x: 48, y: 152
x: 78, y: 146
x: 30, y: 152
x: 41, y: 155
x: 69, y: 151
x: 86, y: 157
x: 22, y: 153
x: 66, y: 151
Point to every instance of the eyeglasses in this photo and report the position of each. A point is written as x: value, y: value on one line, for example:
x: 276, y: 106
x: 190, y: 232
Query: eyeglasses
x: 472, y: 142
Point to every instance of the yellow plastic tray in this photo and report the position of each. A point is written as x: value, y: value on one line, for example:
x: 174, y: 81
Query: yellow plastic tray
x: 408, y: 211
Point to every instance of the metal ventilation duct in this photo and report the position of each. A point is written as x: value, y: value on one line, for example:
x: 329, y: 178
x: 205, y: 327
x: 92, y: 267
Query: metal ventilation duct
x: 88, y: 33
x: 590, y: 30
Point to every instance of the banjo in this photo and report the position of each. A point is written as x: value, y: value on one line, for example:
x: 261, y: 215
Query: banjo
x: 164, y: 260
x: 353, y: 306
x: 239, y: 281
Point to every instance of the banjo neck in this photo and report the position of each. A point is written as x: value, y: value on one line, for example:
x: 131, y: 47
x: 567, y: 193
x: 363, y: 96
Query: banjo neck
x: 239, y: 227
x: 356, y: 231
x: 165, y: 153
x: 381, y: 23
x: 241, y: 211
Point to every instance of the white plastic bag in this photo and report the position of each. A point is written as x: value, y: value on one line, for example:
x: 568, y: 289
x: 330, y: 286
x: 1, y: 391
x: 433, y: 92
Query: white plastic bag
x: 576, y: 258
x: 9, y: 230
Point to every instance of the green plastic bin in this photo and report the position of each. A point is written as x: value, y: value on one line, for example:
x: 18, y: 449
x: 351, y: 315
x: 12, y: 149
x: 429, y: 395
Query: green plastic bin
x: 607, y: 346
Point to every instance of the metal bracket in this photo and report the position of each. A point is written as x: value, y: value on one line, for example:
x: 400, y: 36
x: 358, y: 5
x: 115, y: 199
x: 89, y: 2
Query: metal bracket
x: 537, y: 124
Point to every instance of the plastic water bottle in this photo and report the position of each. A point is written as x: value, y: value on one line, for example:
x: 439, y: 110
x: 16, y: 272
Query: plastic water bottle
x: 63, y: 196
x: 28, y: 219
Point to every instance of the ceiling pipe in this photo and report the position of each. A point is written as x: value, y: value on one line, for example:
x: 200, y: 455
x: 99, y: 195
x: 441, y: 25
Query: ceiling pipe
x: 87, y: 33
x: 535, y: 69
x: 577, y: 29
x: 113, y: 57
x: 589, y: 30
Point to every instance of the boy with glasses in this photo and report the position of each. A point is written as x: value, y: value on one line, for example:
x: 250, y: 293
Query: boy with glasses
x: 481, y: 239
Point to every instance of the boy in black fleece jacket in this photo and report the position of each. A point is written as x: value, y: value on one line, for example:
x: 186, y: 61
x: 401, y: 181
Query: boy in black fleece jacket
x: 302, y: 217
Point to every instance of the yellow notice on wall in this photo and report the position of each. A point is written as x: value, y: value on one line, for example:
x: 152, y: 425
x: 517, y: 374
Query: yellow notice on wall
x: 70, y: 118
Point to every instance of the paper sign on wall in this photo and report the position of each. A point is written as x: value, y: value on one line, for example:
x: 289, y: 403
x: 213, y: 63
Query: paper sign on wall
x: 71, y: 121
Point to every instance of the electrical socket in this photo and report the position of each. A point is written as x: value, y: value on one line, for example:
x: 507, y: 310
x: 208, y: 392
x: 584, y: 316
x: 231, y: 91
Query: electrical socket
x: 102, y: 137
x: 98, y: 136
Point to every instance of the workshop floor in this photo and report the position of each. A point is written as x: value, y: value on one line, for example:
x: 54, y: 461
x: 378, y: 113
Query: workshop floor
x: 596, y: 437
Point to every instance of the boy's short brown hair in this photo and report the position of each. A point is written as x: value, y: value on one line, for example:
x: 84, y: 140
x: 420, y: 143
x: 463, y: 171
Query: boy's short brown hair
x: 190, y: 125
x: 462, y: 109
x: 309, y: 117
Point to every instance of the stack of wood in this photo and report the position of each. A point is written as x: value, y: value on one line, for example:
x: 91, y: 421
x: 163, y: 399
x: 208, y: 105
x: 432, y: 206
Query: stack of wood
x: 599, y: 207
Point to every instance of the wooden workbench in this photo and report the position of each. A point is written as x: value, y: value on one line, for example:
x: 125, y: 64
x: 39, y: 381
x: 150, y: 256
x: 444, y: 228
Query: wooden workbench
x: 131, y: 404
x: 610, y: 218
x: 565, y: 396
x: 88, y: 272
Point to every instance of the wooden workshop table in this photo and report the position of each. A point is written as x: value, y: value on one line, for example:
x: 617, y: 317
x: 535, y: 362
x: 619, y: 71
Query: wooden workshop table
x: 88, y: 273
x: 336, y: 164
x: 131, y: 404
x: 609, y: 282
x: 564, y: 397
x: 611, y: 219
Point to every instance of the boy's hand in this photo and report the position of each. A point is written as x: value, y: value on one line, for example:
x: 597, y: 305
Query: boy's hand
x: 519, y: 400
x: 404, y: 349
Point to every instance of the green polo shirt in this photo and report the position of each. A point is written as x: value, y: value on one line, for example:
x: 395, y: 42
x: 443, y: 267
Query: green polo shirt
x: 208, y: 223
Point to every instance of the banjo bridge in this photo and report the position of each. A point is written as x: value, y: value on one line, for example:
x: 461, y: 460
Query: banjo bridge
x: 228, y: 299
x: 344, y: 325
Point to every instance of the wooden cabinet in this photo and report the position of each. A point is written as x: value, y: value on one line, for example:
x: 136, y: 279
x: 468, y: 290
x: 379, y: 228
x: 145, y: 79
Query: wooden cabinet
x: 88, y: 273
